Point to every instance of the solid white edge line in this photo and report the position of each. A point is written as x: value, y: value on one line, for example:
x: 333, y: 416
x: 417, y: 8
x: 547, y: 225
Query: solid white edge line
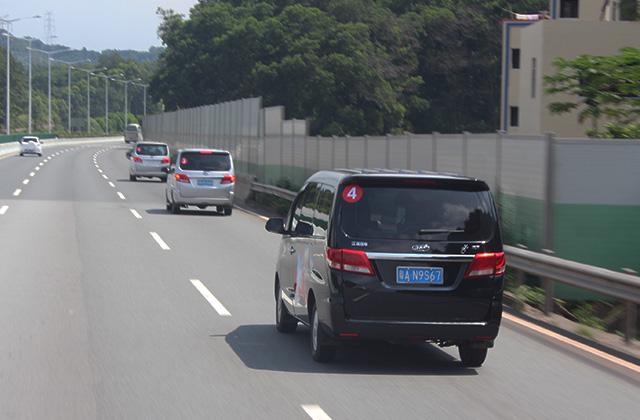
x: 3, y: 210
x: 112, y: 185
x: 159, y: 240
x: 25, y: 182
x: 17, y: 192
x: 135, y: 214
x: 585, y: 348
x: 122, y: 197
x: 315, y: 412
x: 215, y: 303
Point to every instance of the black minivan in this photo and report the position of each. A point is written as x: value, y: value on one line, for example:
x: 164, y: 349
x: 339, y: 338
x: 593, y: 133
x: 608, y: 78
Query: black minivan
x: 391, y: 255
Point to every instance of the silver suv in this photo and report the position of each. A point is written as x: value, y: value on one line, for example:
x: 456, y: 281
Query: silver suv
x: 201, y: 178
x: 150, y: 160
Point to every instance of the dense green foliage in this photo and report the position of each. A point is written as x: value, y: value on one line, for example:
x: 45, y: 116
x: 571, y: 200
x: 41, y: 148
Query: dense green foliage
x: 351, y: 66
x: 600, y: 88
x: 110, y: 62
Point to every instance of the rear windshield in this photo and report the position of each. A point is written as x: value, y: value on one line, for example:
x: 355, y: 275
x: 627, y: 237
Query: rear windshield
x: 29, y: 139
x: 132, y: 128
x: 196, y: 161
x: 152, y: 149
x: 432, y: 213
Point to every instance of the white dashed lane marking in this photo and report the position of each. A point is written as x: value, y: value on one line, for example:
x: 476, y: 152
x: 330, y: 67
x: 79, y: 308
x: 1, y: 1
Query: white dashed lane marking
x: 159, y: 241
x: 3, y: 210
x: 215, y: 303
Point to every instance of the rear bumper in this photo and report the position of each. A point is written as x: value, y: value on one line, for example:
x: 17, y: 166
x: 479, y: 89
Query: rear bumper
x: 225, y: 198
x: 343, y: 328
x: 146, y: 171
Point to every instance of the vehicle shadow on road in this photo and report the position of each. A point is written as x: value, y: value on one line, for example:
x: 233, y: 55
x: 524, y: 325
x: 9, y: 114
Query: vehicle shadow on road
x: 261, y: 347
x: 185, y: 212
x: 142, y: 181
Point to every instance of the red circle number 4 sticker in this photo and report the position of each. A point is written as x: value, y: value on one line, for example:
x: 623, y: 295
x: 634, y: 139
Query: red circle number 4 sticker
x: 352, y: 193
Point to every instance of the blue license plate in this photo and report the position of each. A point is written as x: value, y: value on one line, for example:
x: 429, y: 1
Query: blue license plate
x: 205, y: 182
x: 419, y: 275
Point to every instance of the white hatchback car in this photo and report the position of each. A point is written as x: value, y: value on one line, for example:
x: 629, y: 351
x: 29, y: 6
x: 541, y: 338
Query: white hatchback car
x: 30, y: 145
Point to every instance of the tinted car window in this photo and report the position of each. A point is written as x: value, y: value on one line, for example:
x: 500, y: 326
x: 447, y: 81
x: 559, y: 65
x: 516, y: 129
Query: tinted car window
x: 323, y: 210
x: 196, y: 161
x: 385, y: 212
x: 152, y: 149
x: 305, y: 206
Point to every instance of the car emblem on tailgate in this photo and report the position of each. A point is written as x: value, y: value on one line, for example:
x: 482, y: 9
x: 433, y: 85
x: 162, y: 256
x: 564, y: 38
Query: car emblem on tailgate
x: 420, y: 247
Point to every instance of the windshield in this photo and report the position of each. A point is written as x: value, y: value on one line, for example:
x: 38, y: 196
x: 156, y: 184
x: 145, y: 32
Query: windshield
x: 197, y: 161
x: 152, y: 149
x: 133, y: 127
x: 385, y: 212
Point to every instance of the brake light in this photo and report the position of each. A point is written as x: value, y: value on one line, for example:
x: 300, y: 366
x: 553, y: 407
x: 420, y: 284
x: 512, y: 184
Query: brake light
x: 183, y: 178
x: 351, y: 260
x: 166, y: 160
x: 137, y: 159
x: 228, y: 179
x: 206, y: 152
x: 486, y: 264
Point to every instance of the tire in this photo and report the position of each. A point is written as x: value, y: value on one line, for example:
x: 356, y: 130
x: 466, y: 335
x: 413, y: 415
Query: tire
x: 175, y: 208
x: 168, y: 207
x: 163, y: 179
x: 21, y: 154
x: 227, y: 210
x: 285, y: 322
x: 320, y: 351
x: 40, y: 154
x: 132, y: 178
x: 471, y: 355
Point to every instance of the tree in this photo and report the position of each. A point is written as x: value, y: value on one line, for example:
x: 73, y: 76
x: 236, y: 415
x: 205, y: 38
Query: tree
x: 599, y: 87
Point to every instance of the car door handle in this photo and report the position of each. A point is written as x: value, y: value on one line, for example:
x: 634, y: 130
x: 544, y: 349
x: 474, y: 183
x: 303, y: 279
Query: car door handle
x: 317, y: 274
x: 292, y: 250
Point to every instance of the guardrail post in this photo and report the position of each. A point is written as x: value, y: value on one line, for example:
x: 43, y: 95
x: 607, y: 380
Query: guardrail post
x: 317, y: 153
x: 548, y: 296
x: 630, y: 321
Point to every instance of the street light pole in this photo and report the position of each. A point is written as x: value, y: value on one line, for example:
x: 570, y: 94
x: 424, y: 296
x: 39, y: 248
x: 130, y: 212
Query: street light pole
x: 49, y: 60
x: 126, y: 111
x: 8, y: 99
x: 69, y: 98
x: 30, y: 92
x: 106, y: 105
x: 88, y: 102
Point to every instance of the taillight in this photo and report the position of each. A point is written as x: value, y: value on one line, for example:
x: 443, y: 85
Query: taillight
x: 486, y: 264
x: 137, y: 159
x: 351, y: 260
x: 206, y: 152
x: 166, y: 160
x: 183, y: 178
x: 228, y: 179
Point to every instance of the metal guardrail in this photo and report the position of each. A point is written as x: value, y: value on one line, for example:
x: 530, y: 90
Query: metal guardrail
x: 550, y: 269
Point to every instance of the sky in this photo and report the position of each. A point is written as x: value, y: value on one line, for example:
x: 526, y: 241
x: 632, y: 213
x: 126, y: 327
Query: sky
x: 94, y: 24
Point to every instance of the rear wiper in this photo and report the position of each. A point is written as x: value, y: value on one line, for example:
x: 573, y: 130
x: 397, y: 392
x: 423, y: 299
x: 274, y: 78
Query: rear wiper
x: 431, y: 231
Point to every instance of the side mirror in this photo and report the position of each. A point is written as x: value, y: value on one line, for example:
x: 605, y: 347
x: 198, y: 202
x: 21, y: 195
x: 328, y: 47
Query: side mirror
x: 275, y: 225
x: 304, y: 229
x: 129, y: 154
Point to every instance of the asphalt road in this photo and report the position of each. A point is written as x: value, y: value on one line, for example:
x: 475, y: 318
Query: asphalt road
x: 97, y: 320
